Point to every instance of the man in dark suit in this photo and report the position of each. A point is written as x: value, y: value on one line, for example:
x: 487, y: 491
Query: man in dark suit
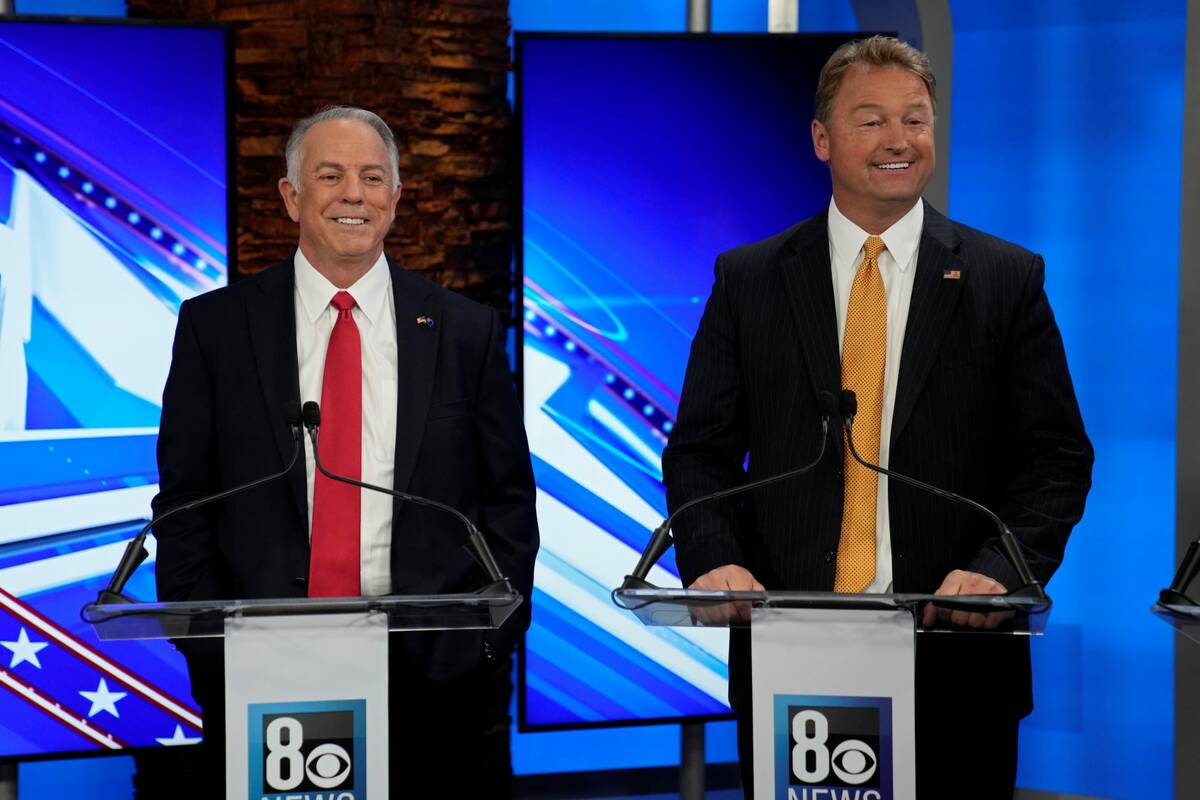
x: 947, y: 337
x: 416, y: 395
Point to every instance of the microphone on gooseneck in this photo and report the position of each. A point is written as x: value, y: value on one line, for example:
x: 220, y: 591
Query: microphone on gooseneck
x: 1030, y: 586
x: 477, y: 546
x: 1176, y: 594
x: 135, y: 552
x: 661, y: 540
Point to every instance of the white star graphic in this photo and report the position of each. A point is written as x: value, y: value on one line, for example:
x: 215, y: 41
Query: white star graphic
x: 24, y: 650
x: 103, y: 700
x: 178, y: 738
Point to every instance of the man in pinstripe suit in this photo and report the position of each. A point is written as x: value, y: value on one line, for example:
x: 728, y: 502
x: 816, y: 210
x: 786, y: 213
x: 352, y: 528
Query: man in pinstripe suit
x: 976, y: 398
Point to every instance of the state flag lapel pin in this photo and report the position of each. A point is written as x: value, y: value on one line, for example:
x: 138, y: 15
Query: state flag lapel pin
x: 951, y: 274
x: 426, y: 321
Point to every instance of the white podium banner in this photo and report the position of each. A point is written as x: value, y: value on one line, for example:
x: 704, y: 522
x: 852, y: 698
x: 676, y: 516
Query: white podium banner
x: 306, y: 707
x: 833, y: 704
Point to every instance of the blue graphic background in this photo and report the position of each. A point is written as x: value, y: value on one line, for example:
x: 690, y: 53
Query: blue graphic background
x: 641, y: 160
x: 113, y: 210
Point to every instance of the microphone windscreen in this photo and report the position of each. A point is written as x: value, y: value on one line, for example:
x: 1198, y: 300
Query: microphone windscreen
x: 291, y: 412
x: 828, y: 404
x: 312, y: 415
x: 849, y: 403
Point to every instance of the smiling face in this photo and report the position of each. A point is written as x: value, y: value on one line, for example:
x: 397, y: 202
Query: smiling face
x: 878, y: 143
x: 345, y: 200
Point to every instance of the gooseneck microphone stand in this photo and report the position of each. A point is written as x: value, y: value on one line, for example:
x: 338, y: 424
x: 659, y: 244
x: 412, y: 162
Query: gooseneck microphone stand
x: 1030, y: 586
x: 135, y: 552
x: 476, y: 546
x: 661, y: 540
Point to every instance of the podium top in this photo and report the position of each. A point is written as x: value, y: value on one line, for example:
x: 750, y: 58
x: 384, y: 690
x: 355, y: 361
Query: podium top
x: 200, y: 619
x: 1184, y: 618
x: 709, y: 608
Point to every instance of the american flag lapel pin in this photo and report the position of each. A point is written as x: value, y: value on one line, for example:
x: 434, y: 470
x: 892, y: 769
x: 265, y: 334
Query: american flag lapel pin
x: 951, y: 274
x: 426, y: 321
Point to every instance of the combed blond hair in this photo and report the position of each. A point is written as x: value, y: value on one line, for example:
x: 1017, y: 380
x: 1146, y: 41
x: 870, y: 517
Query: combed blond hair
x: 877, y: 51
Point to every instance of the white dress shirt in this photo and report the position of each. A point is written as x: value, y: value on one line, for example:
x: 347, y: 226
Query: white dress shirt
x: 897, y: 266
x: 375, y: 314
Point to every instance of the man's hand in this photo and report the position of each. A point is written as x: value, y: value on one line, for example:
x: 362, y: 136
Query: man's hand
x: 958, y: 582
x: 727, y: 578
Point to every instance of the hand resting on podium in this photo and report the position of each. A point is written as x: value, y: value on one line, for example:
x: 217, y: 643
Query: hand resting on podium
x: 729, y: 577
x: 958, y: 582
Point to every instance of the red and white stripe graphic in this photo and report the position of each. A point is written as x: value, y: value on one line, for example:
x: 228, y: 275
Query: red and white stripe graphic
x: 63, y: 715
x: 99, y: 661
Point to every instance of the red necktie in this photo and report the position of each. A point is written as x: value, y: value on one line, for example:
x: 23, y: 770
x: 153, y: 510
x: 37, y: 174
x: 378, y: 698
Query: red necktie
x: 334, y: 568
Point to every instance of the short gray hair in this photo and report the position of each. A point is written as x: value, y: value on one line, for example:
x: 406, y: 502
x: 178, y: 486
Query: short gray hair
x: 296, y: 140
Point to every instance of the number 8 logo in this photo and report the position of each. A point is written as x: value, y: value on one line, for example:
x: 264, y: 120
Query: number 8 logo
x: 285, y: 763
x: 813, y: 744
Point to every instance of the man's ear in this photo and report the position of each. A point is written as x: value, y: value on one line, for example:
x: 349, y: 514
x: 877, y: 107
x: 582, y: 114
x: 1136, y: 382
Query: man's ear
x: 820, y: 137
x: 288, y: 192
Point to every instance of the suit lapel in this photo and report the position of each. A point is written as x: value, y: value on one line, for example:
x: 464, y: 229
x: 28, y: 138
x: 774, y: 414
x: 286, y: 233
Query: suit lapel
x: 934, y: 298
x: 271, y: 317
x: 808, y: 282
x: 416, y: 350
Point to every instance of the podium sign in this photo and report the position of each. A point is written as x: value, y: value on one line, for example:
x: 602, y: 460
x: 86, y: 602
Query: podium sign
x: 833, y: 703
x: 306, y: 707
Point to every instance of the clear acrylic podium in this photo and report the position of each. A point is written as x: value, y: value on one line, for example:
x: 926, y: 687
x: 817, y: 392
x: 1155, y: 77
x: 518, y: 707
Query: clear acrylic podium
x: 696, y: 607
x: 487, y: 609
x: 1175, y: 606
x: 306, y: 679
x: 1183, y: 617
x: 864, y: 666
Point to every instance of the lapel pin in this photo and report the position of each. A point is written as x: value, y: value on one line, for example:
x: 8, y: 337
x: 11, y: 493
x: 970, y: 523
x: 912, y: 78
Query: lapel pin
x: 426, y: 321
x: 951, y: 274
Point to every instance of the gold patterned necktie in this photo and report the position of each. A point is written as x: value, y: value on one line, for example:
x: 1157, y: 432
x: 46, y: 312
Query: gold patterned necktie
x: 863, y: 354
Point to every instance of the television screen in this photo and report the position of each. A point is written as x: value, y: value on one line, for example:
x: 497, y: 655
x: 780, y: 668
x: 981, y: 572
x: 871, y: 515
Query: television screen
x: 642, y: 158
x: 114, y: 209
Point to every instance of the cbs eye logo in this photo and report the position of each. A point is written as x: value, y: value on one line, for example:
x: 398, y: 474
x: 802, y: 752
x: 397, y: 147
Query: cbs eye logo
x: 309, y: 751
x: 833, y: 746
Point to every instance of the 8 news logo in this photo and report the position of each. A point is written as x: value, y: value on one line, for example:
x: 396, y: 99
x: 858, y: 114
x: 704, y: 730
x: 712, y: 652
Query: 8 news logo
x: 833, y: 748
x: 305, y: 751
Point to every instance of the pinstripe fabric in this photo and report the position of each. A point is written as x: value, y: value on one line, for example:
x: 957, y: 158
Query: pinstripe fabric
x: 984, y: 407
x: 863, y: 356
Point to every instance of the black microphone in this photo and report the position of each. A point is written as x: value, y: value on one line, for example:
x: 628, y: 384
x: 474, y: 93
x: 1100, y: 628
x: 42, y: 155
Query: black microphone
x: 661, y: 540
x: 1176, y: 593
x: 1030, y: 586
x: 477, y: 545
x: 135, y: 552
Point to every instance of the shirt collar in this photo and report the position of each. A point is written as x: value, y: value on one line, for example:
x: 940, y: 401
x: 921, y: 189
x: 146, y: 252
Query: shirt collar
x: 316, y: 292
x: 901, y: 239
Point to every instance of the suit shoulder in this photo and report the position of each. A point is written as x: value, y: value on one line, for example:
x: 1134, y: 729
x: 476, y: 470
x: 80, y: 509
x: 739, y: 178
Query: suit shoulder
x: 232, y: 295
x: 450, y: 301
x: 765, y: 253
x: 216, y: 310
x: 981, y: 243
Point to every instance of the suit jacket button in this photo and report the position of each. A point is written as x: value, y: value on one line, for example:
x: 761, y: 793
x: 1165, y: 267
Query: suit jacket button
x: 299, y: 581
x: 830, y: 556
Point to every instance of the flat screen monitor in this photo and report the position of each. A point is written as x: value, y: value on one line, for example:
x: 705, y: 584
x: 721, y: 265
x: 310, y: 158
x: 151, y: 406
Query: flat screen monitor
x: 642, y: 158
x: 114, y: 209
